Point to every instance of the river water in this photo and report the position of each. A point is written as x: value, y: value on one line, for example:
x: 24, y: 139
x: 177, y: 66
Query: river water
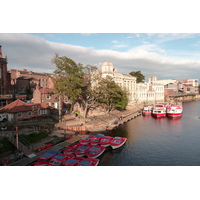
x: 158, y: 141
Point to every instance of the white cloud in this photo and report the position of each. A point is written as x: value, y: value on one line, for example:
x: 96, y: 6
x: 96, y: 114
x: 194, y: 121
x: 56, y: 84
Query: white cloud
x: 115, y: 42
x: 34, y: 53
x: 172, y: 36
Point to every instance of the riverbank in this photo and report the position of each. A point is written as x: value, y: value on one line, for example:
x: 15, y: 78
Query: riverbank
x: 100, y: 122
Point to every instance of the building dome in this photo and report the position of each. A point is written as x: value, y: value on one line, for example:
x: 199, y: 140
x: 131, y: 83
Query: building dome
x: 107, y: 63
x: 107, y: 66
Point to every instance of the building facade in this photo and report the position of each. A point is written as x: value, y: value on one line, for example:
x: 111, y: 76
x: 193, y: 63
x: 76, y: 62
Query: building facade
x: 150, y: 91
x: 125, y: 81
x: 5, y: 81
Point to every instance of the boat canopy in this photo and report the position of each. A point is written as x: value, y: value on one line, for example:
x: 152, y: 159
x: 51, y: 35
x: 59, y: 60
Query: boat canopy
x: 94, y: 148
x: 85, y: 162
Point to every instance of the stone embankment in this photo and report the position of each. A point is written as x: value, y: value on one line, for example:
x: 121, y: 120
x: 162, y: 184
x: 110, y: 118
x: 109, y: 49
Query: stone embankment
x: 100, y: 123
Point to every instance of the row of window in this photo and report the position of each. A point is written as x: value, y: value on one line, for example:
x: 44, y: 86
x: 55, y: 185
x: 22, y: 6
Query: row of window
x: 30, y: 113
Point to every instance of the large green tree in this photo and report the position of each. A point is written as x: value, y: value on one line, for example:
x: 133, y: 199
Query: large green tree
x: 140, y: 77
x: 112, y: 95
x: 75, y: 81
x: 70, y: 77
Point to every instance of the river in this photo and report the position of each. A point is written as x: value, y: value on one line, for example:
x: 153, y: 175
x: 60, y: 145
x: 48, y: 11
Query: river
x: 158, y: 141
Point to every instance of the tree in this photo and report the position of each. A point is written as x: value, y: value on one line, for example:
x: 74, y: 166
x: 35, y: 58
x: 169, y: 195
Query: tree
x: 75, y: 81
x: 112, y: 95
x: 140, y: 77
x: 29, y: 93
x: 69, y: 79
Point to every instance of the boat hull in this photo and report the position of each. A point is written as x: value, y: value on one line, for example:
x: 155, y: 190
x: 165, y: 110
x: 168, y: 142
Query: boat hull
x: 146, y: 113
x: 174, y: 114
x: 158, y: 114
x: 115, y: 145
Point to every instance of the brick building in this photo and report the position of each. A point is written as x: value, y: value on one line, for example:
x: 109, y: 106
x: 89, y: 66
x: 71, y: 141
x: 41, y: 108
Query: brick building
x: 23, y: 80
x: 19, y: 110
x: 5, y: 81
x: 45, y: 95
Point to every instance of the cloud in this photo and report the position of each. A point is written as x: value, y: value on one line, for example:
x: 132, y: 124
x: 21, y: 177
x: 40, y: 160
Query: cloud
x: 115, y: 42
x: 172, y: 36
x: 34, y: 53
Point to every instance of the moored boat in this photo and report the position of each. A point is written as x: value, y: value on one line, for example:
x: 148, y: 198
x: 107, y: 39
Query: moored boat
x: 57, y: 160
x: 95, y: 140
x: 117, y: 142
x: 70, y: 149
x: 82, y: 150
x: 95, y: 151
x: 88, y: 162
x: 147, y: 110
x: 72, y: 161
x: 85, y: 139
x: 105, y: 141
x: 45, y: 158
x: 175, y: 110
x: 159, y: 110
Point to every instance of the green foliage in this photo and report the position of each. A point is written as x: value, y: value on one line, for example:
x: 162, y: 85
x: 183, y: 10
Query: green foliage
x: 112, y: 95
x: 140, y: 77
x: 70, y: 77
x: 5, y: 145
x: 29, y: 92
x: 35, y: 137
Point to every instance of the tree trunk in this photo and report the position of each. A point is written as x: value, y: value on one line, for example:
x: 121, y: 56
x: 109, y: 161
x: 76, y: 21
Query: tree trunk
x: 59, y: 110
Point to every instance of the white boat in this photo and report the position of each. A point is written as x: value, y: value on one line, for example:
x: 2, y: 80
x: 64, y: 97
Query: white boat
x: 147, y: 110
x: 175, y: 110
x: 159, y: 110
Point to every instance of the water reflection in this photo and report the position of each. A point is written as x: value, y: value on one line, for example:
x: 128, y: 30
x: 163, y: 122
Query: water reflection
x: 159, y: 141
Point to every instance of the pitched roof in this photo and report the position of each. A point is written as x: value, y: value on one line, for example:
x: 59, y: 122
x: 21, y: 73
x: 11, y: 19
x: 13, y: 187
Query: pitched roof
x: 20, y: 106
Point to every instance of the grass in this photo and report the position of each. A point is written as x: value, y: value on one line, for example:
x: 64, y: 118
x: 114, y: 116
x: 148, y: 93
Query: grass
x: 35, y: 136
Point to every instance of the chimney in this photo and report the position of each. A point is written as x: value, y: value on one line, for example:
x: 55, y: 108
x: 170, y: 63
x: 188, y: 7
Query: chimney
x: 0, y: 52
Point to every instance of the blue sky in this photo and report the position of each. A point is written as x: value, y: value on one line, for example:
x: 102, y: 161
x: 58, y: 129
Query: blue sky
x: 166, y: 55
x: 126, y: 41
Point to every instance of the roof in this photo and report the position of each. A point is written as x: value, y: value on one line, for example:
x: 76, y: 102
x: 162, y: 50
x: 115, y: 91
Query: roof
x: 21, y: 106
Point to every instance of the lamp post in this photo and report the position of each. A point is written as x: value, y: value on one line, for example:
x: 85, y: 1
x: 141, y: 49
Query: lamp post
x: 17, y: 137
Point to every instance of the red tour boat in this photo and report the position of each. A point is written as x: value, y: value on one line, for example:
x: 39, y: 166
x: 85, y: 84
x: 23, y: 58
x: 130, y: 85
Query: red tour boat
x: 117, y: 142
x: 95, y: 151
x: 159, y: 110
x: 175, y: 110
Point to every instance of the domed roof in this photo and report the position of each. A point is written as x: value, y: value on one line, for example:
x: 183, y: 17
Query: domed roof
x: 107, y: 63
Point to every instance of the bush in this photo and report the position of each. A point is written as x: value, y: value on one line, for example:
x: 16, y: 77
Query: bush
x: 5, y: 145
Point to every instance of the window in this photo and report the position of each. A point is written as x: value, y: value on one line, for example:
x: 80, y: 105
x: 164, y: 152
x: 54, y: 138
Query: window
x: 19, y: 114
x: 48, y: 96
x: 29, y: 113
x: 42, y: 111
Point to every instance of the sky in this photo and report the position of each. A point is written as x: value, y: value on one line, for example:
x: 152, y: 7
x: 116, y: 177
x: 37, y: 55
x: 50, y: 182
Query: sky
x: 166, y: 55
x: 156, y: 37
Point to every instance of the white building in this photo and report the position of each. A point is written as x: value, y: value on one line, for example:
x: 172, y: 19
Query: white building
x: 123, y: 80
x: 152, y: 91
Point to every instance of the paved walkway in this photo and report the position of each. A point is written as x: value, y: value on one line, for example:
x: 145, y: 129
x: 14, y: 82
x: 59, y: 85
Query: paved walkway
x: 25, y: 161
